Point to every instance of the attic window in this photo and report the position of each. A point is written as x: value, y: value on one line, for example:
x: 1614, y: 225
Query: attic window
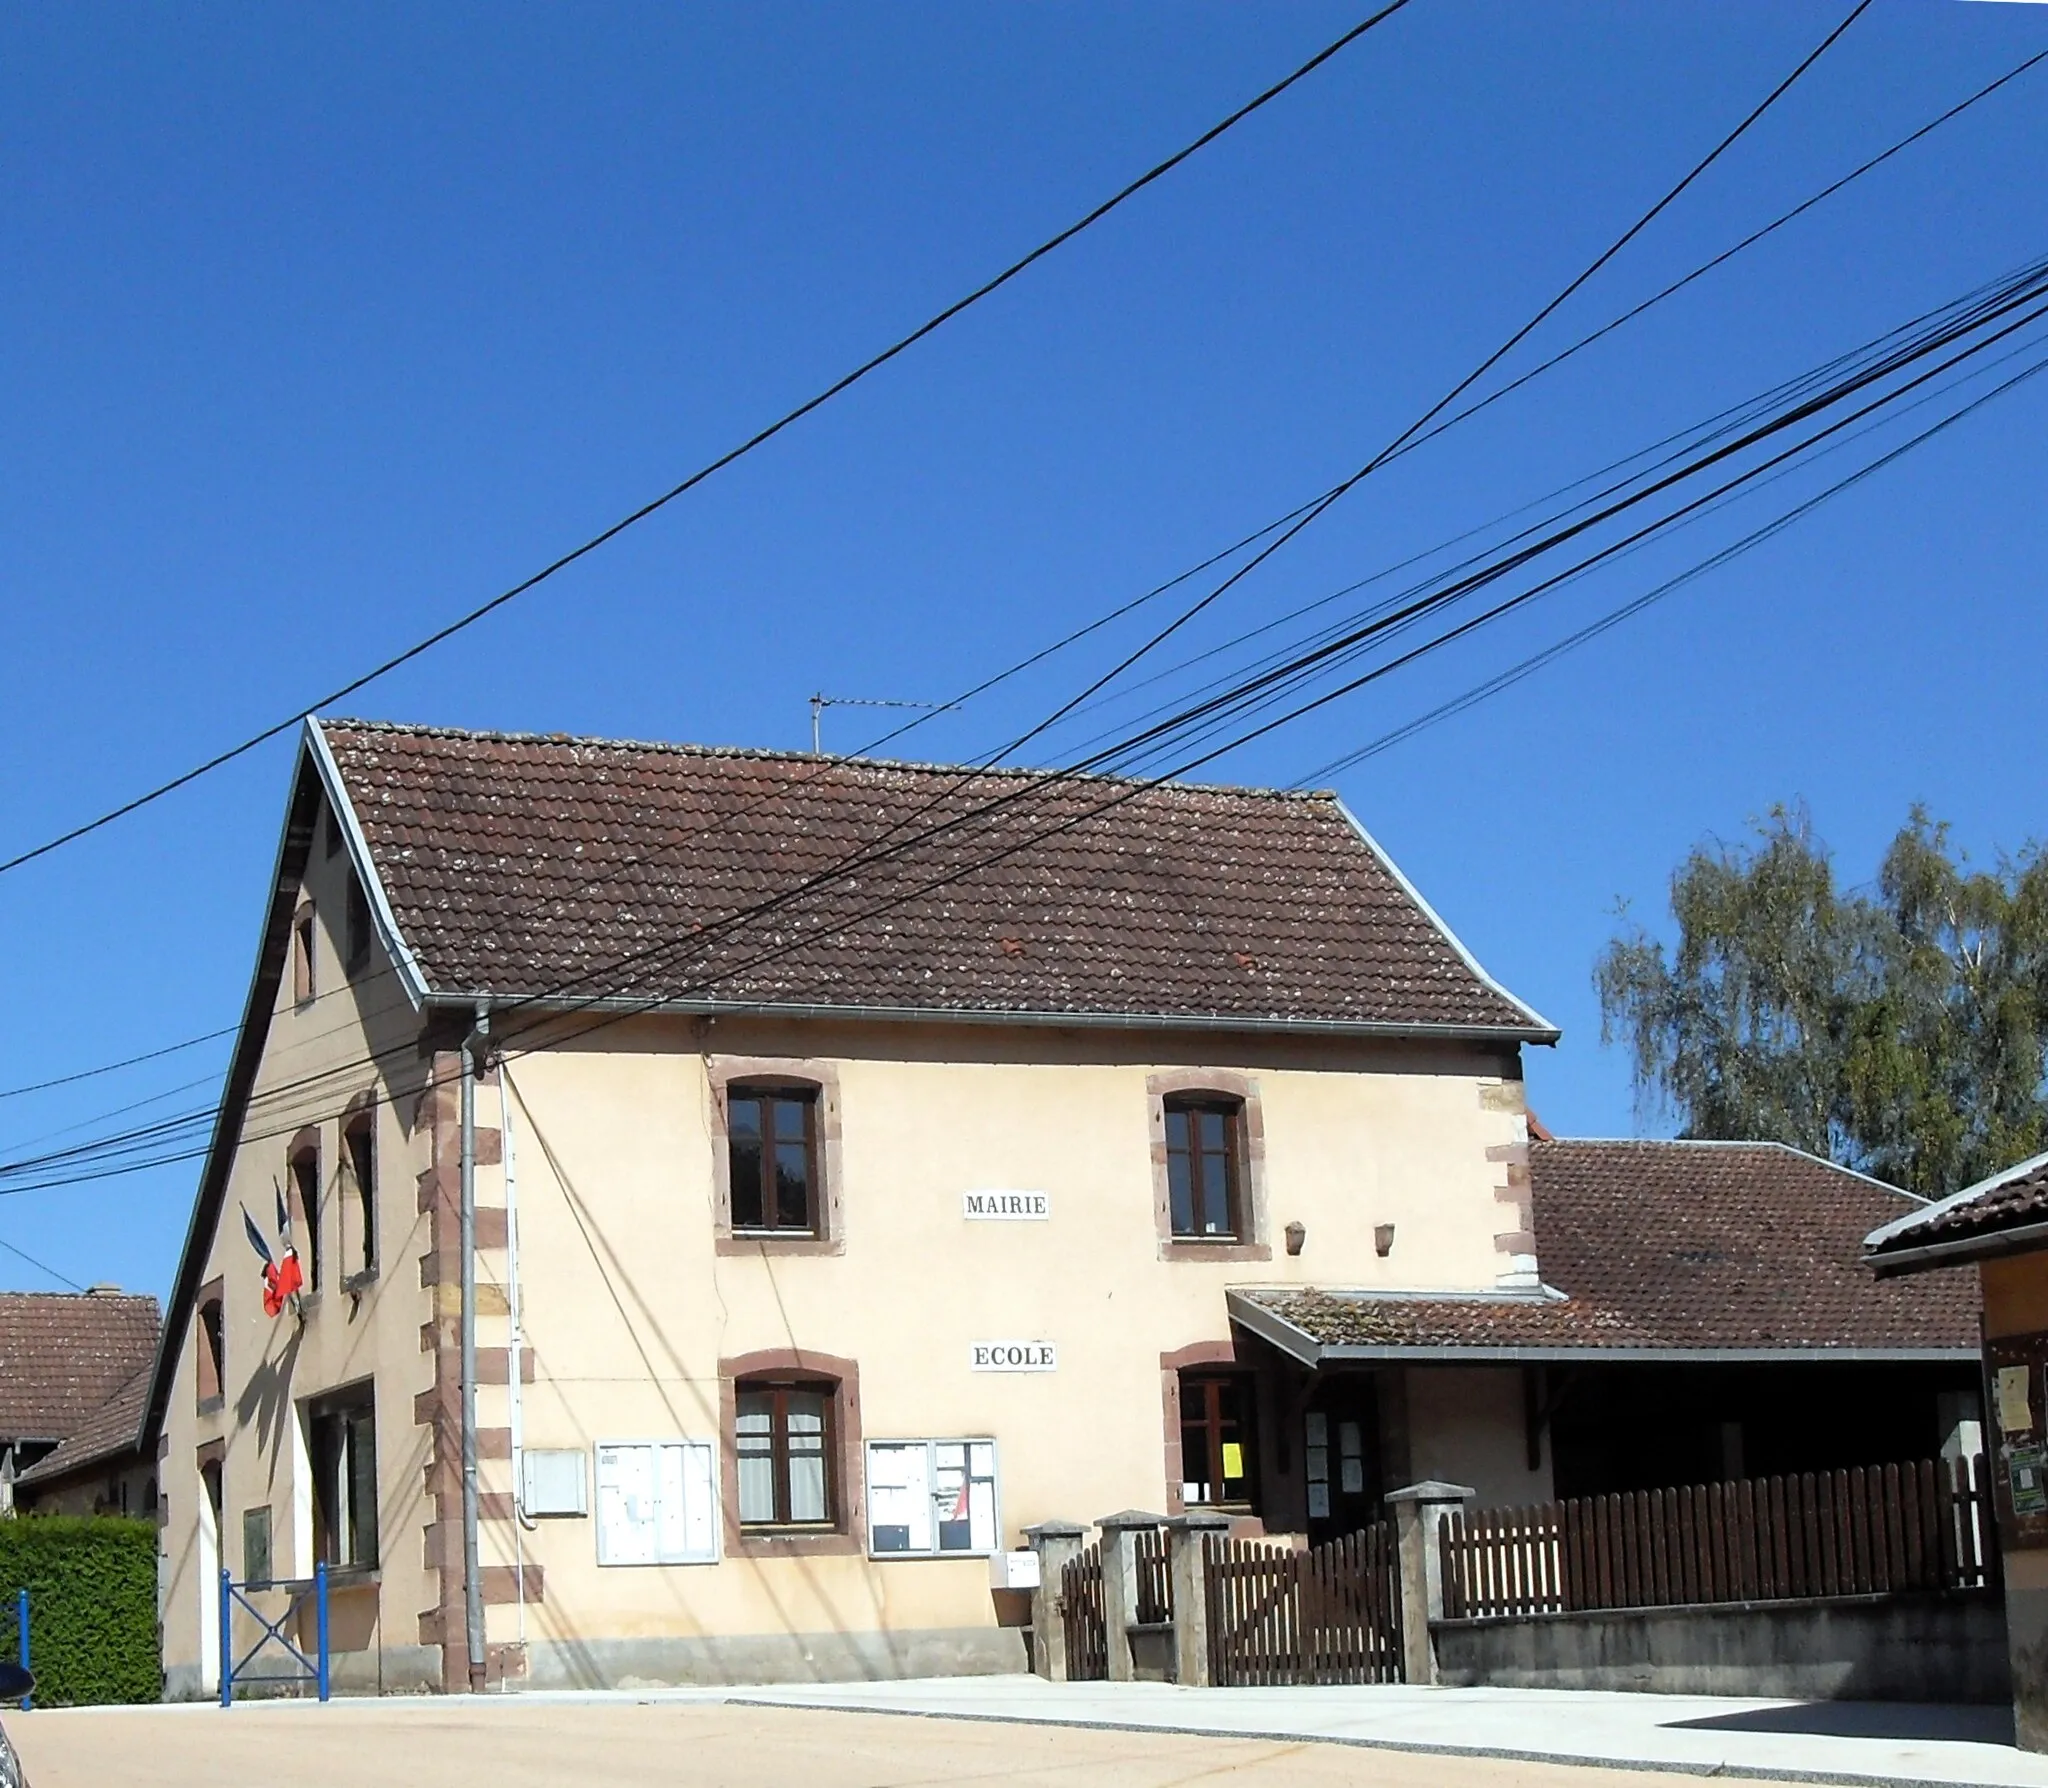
x: 332, y: 833
x: 358, y: 928
x: 302, y: 957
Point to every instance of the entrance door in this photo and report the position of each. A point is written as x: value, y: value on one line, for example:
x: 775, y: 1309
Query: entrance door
x: 1340, y: 1454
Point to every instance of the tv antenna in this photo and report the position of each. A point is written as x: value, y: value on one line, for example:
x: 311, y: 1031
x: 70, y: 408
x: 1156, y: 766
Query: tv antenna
x: 819, y: 703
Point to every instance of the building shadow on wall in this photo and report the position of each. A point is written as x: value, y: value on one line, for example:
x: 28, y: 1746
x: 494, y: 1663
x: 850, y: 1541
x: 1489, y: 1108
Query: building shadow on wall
x: 1940, y: 1722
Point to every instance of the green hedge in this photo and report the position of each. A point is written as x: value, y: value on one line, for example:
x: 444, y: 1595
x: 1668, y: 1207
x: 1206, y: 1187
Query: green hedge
x: 91, y: 1582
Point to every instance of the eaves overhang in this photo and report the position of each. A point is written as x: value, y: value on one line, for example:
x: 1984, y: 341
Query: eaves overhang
x: 622, y: 1006
x: 1296, y: 1342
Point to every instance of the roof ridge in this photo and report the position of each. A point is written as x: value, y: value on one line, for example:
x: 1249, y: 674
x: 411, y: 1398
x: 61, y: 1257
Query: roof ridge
x: 774, y: 754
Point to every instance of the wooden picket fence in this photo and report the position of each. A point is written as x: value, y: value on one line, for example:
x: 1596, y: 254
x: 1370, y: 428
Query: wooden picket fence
x: 1082, y: 1610
x: 1328, y: 1615
x: 1155, y: 1579
x: 1926, y: 1526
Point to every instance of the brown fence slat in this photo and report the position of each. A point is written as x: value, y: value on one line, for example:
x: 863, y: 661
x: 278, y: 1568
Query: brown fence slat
x: 1924, y: 1526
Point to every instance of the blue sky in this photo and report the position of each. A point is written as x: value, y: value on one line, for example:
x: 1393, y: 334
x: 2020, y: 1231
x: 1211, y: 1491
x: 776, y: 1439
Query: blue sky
x: 322, y: 325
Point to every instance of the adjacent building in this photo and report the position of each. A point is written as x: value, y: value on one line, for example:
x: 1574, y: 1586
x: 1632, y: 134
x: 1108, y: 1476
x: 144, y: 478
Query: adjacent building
x: 66, y: 1358
x: 2000, y: 1227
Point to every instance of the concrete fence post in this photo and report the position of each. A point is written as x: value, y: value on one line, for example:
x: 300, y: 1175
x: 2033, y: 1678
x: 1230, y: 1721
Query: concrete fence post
x: 1120, y: 1585
x: 1056, y: 1543
x: 1188, y: 1565
x: 1418, y: 1512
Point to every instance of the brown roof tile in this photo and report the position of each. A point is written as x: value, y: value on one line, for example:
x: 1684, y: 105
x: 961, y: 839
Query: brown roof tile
x: 112, y: 1429
x: 2015, y: 1199
x: 63, y: 1354
x: 1723, y: 1244
x: 1722, y: 1247
x: 518, y: 865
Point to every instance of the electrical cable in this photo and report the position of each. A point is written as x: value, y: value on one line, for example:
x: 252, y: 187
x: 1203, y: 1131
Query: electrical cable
x: 844, y: 383
x: 1985, y: 312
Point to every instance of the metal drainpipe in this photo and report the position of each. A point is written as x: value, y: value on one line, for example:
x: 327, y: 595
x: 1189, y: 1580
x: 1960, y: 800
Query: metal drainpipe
x: 472, y: 1582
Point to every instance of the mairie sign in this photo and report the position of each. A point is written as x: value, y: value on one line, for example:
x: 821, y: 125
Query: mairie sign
x: 1012, y: 1207
x: 1013, y: 1356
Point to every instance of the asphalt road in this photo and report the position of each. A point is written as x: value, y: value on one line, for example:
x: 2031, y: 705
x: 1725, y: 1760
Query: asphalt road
x: 514, y: 1745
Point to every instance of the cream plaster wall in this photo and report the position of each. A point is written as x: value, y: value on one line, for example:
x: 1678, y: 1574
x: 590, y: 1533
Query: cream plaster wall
x: 1468, y: 1425
x: 314, y: 1063
x: 629, y: 1310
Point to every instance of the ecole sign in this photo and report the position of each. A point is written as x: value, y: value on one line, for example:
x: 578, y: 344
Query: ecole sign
x: 1013, y: 1356
x: 1007, y: 1207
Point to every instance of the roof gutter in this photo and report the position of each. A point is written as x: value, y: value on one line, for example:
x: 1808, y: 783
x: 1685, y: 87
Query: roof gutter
x: 1958, y: 1251
x: 1122, y: 1021
x: 1298, y: 1344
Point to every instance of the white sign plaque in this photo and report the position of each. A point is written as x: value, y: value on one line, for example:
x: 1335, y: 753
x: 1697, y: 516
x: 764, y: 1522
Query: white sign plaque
x: 1013, y: 1356
x: 1007, y: 1207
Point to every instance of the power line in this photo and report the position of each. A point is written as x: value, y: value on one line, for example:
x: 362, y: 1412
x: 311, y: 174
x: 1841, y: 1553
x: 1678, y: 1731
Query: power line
x: 759, y: 438
x: 1536, y: 661
x: 1124, y: 609
x: 1337, y: 493
x: 41, y: 1266
x: 1976, y: 315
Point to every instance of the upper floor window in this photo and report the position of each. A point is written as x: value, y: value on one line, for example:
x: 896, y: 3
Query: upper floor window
x: 783, y: 1436
x: 303, y: 1173
x: 211, y: 1361
x: 772, y: 1143
x: 1204, y: 1166
x: 302, y: 957
x: 359, y: 1146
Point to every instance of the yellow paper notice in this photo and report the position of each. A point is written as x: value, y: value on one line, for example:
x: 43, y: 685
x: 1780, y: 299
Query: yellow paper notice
x: 1233, y: 1459
x: 2015, y: 1415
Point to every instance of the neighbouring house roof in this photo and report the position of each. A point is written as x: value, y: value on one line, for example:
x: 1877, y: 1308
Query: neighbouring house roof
x: 1660, y: 1250
x: 2004, y: 1214
x: 63, y: 1354
x: 517, y: 866
x: 110, y: 1431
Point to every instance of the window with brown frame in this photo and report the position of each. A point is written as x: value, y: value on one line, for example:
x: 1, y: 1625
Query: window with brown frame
x: 783, y: 1439
x: 1219, y: 1455
x: 212, y: 1361
x: 772, y: 1148
x: 359, y: 1140
x: 341, y: 1441
x: 304, y: 1172
x: 1205, y: 1166
x: 358, y: 928
x: 302, y: 958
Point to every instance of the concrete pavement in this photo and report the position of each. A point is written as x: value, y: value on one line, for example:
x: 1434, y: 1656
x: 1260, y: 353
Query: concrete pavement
x: 1817, y: 1741
x: 612, y: 1743
x: 1002, y: 1730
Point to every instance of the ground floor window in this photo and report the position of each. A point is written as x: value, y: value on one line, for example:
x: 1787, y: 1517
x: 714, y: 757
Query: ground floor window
x: 341, y: 1437
x: 783, y: 1436
x: 931, y: 1498
x: 1218, y: 1444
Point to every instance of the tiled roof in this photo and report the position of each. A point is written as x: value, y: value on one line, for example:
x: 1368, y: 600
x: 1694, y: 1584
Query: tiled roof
x: 1725, y: 1244
x: 1673, y: 1246
x: 114, y: 1428
x: 63, y: 1354
x: 2014, y: 1199
x: 518, y: 865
